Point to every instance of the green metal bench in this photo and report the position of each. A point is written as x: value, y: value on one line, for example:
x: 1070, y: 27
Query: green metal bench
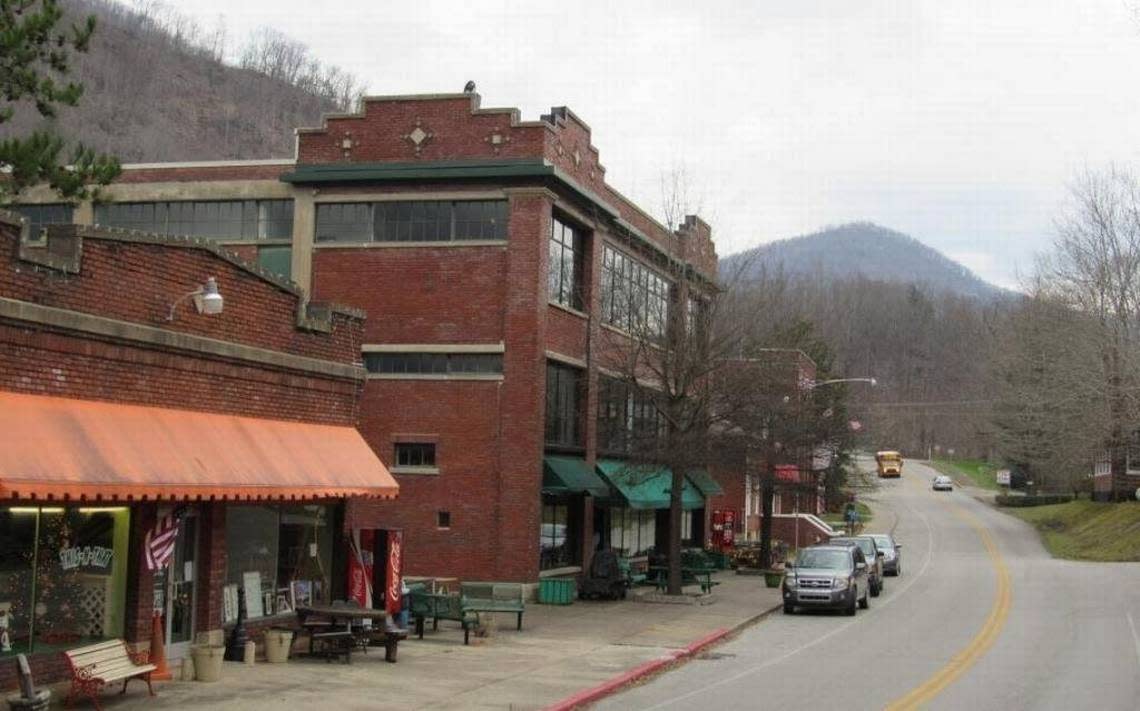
x: 632, y: 577
x: 493, y: 597
x: 425, y: 605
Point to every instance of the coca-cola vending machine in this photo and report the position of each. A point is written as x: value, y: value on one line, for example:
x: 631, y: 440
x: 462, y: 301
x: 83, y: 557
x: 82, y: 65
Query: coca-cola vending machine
x: 375, y: 568
x: 723, y: 529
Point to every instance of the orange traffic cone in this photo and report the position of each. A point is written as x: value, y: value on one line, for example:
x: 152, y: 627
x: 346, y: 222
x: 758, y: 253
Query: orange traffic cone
x: 158, y: 650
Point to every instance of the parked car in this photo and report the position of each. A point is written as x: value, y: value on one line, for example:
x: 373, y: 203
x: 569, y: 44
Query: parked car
x: 874, y: 559
x: 943, y: 483
x: 827, y: 577
x: 892, y: 556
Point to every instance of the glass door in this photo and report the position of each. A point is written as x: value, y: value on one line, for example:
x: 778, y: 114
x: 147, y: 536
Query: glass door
x: 182, y: 576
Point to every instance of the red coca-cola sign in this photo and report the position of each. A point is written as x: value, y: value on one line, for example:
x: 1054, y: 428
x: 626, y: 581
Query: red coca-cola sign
x: 393, y: 598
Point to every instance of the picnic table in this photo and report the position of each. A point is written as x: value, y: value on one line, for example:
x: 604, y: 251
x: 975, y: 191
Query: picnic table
x: 340, y: 628
x: 689, y: 576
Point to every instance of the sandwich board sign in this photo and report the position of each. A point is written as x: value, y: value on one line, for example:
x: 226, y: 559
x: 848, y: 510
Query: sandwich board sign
x: 1003, y: 477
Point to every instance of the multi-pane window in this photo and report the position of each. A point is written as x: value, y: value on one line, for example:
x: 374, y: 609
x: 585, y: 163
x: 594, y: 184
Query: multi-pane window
x: 415, y: 454
x: 412, y: 221
x: 565, y: 275
x: 563, y: 405
x: 415, y: 363
x: 212, y: 219
x: 632, y: 532
x: 628, y: 418
x: 40, y: 216
x: 635, y: 297
x: 558, y: 540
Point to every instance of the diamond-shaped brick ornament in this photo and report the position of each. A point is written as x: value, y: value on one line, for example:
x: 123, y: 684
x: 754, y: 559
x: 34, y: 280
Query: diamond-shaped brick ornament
x: 418, y: 136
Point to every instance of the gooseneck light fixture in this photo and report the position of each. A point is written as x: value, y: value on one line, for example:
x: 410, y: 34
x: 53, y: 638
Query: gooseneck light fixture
x: 207, y: 299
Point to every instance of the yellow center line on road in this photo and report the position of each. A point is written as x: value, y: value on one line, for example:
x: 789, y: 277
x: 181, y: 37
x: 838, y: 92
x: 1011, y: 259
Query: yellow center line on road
x: 925, y: 692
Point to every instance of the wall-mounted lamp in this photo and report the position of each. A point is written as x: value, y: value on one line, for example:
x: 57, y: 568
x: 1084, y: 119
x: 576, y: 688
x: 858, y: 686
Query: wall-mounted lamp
x: 206, y: 299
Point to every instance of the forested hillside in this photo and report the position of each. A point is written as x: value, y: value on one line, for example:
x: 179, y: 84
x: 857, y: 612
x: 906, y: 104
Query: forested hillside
x: 159, y: 87
x: 863, y: 250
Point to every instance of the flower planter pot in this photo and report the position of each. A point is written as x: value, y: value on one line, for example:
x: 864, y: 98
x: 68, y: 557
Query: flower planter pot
x: 772, y: 578
x: 277, y: 645
x: 208, y: 661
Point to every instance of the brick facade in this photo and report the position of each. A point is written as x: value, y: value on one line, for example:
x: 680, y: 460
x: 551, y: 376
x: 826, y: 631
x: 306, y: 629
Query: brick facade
x: 489, y: 433
x: 85, y: 316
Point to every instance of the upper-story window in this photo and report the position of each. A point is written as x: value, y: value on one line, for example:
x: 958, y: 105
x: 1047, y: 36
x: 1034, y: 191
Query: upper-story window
x: 628, y: 418
x: 565, y: 275
x: 40, y: 216
x: 635, y: 297
x: 440, y: 364
x: 563, y: 405
x: 412, y: 221
x: 212, y: 219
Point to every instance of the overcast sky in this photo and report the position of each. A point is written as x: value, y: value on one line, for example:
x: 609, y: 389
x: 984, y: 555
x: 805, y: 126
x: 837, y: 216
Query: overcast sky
x: 961, y: 123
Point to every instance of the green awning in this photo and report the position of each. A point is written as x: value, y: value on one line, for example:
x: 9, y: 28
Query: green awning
x: 571, y: 475
x: 647, y: 487
x: 704, y: 481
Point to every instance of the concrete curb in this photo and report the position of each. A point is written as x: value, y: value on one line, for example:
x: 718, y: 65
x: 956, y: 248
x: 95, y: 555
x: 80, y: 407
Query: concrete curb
x: 596, y: 693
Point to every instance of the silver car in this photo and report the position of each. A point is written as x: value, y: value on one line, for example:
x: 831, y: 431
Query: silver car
x: 827, y: 577
x: 943, y: 483
x: 892, y: 556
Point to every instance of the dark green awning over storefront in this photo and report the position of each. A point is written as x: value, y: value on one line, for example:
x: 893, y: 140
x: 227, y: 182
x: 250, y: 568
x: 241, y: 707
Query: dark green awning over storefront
x: 571, y: 475
x: 647, y: 487
x: 704, y: 481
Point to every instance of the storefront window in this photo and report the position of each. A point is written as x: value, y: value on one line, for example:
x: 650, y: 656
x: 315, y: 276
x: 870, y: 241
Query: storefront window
x: 558, y: 539
x: 62, y: 576
x: 632, y: 532
x: 281, y: 555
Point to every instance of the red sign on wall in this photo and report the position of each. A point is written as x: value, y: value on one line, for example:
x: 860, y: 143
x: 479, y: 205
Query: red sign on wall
x: 393, y: 598
x: 360, y: 564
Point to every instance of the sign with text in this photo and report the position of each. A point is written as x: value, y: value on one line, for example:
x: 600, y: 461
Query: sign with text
x: 394, y: 599
x: 1003, y: 477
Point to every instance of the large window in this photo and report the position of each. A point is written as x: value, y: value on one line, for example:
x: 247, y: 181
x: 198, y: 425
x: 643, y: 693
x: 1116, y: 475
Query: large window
x: 415, y: 363
x: 563, y: 405
x: 40, y: 216
x: 412, y: 221
x: 558, y: 537
x: 635, y: 297
x: 62, y: 575
x: 281, y: 555
x: 628, y: 418
x: 212, y: 219
x: 632, y: 531
x: 565, y: 276
x: 415, y: 454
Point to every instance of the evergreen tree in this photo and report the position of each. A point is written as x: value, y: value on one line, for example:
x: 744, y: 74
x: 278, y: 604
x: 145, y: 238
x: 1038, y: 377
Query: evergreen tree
x: 35, y: 59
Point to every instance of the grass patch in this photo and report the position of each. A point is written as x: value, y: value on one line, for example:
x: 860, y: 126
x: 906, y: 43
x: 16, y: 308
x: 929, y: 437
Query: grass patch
x: 1087, y: 530
x: 975, y: 471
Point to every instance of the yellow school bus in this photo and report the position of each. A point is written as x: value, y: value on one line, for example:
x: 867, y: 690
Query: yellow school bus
x: 890, y: 463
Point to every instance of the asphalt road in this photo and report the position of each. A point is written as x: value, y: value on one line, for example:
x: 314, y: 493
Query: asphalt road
x: 982, y: 618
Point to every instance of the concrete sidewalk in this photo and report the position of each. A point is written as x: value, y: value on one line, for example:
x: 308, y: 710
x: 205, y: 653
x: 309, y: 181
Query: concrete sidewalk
x: 561, y: 651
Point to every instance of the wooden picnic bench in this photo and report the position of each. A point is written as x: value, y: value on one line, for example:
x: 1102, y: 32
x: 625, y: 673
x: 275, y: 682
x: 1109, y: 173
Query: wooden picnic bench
x: 336, y: 630
x: 439, y: 606
x: 493, y: 597
x: 96, y: 665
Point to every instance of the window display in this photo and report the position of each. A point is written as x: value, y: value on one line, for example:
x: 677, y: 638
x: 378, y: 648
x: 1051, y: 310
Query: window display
x: 62, y: 576
x: 282, y: 555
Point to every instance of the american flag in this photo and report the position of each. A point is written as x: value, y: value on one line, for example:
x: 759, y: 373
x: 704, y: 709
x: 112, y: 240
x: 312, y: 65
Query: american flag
x: 158, y: 547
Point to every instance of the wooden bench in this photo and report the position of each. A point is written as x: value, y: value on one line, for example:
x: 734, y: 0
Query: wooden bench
x: 493, y: 597
x: 96, y: 665
x: 436, y: 607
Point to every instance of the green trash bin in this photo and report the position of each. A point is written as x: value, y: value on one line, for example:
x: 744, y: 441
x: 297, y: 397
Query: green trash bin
x: 556, y: 591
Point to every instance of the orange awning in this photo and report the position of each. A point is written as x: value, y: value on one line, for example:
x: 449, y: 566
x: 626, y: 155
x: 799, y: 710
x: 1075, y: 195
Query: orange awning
x: 61, y: 448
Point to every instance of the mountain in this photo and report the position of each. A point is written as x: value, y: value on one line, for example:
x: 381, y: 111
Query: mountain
x: 861, y: 249
x: 160, y: 87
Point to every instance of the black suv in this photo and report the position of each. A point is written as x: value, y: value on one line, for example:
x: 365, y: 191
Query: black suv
x: 828, y: 577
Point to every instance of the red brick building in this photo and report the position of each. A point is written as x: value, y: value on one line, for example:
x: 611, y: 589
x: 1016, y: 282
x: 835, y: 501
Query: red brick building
x: 493, y: 260
x: 798, y: 486
x: 123, y: 398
